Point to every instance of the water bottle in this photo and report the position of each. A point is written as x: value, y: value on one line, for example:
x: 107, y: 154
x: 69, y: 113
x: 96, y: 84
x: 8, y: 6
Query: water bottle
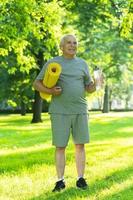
x: 98, y: 78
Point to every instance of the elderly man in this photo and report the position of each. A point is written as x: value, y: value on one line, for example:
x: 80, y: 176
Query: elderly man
x: 68, y: 108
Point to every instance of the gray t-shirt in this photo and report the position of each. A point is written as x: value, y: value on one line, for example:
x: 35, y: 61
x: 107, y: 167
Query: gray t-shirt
x: 73, y: 79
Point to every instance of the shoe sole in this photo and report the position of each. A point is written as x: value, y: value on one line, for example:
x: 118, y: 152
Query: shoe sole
x: 59, y: 190
x: 82, y: 188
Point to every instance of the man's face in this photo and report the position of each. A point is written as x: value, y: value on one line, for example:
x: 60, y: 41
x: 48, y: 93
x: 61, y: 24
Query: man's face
x: 69, y: 47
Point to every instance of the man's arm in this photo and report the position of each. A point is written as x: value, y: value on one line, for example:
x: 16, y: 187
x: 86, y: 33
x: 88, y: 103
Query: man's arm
x: 91, y: 87
x: 38, y: 85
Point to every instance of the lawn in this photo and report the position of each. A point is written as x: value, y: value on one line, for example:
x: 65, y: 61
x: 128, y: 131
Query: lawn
x: 27, y: 170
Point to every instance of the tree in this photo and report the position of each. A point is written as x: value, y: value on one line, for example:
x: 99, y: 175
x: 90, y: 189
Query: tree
x: 29, y: 35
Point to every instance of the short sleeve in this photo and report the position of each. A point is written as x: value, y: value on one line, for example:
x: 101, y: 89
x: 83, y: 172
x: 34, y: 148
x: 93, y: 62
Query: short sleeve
x: 41, y: 74
x: 87, y: 78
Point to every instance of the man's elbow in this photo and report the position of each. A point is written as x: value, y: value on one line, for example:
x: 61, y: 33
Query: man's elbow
x: 35, y: 84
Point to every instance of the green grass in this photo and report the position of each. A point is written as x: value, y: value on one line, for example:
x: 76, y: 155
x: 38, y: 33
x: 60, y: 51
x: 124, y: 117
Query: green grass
x: 27, y: 170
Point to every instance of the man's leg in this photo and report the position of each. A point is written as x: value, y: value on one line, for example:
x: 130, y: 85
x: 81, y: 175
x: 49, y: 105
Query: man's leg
x: 60, y: 161
x: 80, y: 159
x: 60, y: 168
x: 80, y: 164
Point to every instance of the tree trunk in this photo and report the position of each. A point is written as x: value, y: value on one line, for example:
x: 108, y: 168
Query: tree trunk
x: 37, y: 108
x: 23, y: 108
x: 37, y: 105
x: 128, y: 91
x: 106, y: 100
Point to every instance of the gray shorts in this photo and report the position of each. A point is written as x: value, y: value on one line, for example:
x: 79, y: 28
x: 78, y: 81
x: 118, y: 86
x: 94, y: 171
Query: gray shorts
x: 62, y: 125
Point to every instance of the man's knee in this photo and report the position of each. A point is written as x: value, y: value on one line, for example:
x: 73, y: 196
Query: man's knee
x: 79, y: 147
x: 60, y: 149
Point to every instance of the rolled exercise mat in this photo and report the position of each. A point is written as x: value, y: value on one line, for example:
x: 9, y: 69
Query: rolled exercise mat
x: 51, y: 77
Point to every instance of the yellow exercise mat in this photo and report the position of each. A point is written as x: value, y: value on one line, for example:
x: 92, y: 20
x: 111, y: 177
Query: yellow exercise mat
x: 51, y: 77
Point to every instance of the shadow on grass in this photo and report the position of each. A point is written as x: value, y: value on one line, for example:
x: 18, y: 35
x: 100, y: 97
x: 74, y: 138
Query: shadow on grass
x: 20, y: 133
x: 17, y: 161
x: 27, y: 157
x: 116, y: 128
x: 126, y: 194
x: 18, y: 119
x: 118, y: 150
x: 25, y: 142
x: 15, y: 121
x: 94, y: 189
x: 11, y: 139
x: 103, y: 152
x: 17, y: 131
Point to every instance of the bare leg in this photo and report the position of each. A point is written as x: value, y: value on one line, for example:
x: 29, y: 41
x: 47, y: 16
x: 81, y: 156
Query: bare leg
x: 60, y: 161
x: 80, y: 159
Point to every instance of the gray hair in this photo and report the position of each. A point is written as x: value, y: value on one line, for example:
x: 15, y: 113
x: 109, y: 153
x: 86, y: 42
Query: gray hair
x: 63, y: 39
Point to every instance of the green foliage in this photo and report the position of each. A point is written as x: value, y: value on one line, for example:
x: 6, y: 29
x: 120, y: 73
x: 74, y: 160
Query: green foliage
x: 30, y: 31
x: 24, y: 22
x: 127, y: 20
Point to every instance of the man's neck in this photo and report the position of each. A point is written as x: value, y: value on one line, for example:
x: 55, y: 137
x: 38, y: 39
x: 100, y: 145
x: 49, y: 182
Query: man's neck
x: 69, y: 56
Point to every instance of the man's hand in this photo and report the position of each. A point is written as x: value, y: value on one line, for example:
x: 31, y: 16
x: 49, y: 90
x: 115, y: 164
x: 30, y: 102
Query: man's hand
x: 55, y: 90
x: 91, y: 87
x: 38, y: 85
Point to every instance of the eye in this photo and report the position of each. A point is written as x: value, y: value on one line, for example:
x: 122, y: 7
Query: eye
x: 69, y: 42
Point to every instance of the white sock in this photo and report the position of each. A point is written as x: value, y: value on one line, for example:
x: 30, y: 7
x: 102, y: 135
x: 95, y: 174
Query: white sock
x: 61, y: 179
x: 79, y: 177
